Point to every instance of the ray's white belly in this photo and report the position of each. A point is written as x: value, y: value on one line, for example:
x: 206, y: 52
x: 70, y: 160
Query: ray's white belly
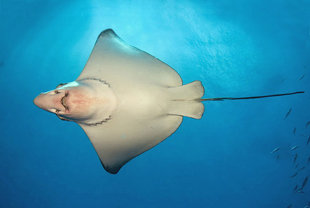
x: 144, y: 103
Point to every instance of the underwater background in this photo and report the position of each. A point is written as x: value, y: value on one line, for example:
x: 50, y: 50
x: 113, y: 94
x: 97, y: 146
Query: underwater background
x: 236, y: 48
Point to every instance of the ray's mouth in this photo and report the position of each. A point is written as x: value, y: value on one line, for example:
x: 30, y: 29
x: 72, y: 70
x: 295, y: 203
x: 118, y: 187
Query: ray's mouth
x: 63, y: 101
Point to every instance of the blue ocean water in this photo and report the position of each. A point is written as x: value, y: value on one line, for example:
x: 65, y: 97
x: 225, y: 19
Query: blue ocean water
x: 236, y: 48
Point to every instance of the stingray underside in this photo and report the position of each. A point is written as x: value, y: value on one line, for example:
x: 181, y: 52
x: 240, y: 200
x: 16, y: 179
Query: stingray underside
x: 131, y: 74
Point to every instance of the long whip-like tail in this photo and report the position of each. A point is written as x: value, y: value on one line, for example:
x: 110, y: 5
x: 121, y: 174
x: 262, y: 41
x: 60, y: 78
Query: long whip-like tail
x: 244, y: 98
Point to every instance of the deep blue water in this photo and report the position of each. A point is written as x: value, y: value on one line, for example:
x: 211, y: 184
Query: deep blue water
x: 236, y: 48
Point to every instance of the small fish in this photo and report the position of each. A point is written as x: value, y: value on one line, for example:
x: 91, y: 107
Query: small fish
x: 300, y: 191
x: 275, y: 150
x: 295, y: 158
x: 288, y: 113
x: 294, y: 131
x: 294, y: 147
x: 302, y: 77
x: 304, y: 183
x: 307, y: 124
x: 308, y: 141
x: 295, y: 174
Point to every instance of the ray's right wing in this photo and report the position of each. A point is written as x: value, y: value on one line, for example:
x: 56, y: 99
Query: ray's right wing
x: 122, y: 138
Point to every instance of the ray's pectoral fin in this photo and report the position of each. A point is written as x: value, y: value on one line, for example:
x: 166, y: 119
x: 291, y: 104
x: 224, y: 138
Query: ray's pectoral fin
x: 114, y: 60
x: 121, y: 139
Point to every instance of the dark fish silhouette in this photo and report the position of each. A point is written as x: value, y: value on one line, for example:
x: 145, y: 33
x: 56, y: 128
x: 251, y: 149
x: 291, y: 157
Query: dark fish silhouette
x: 307, y: 124
x: 295, y: 158
x: 294, y: 131
x: 308, y: 141
x: 302, y: 77
x: 275, y: 150
x: 294, y: 175
x: 304, y: 183
x: 288, y: 113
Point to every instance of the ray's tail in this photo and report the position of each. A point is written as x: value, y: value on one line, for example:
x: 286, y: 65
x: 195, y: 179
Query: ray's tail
x: 245, y: 98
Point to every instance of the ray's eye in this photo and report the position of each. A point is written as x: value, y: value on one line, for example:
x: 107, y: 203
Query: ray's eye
x: 61, y: 84
x: 57, y: 111
x: 56, y: 92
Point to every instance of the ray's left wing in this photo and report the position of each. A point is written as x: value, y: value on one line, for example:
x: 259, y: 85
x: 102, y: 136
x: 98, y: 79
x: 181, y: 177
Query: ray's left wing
x: 114, y: 60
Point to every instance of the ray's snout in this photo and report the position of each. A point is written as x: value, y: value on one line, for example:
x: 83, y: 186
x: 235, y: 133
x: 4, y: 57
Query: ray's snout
x: 39, y: 100
x: 50, y: 101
